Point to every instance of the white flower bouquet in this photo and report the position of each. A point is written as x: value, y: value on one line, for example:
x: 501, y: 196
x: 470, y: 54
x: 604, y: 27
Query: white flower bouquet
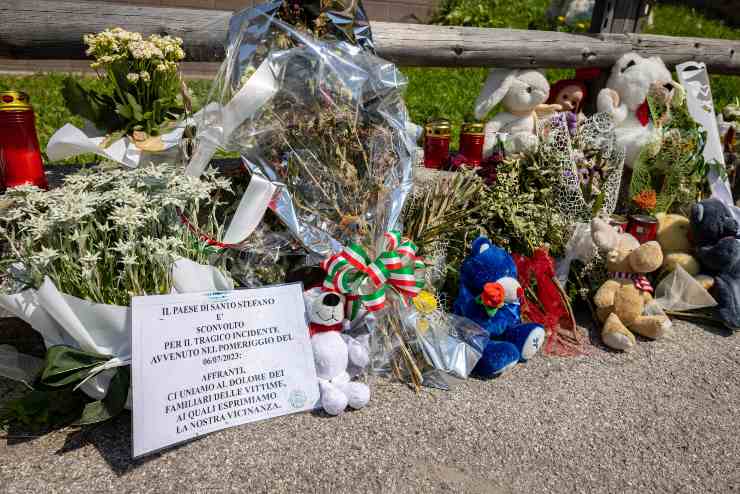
x: 140, y: 106
x: 77, y: 254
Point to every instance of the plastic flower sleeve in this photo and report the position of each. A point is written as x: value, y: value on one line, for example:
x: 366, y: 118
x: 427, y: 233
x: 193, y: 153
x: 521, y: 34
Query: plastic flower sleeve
x: 103, y: 329
x: 451, y: 343
x: 322, y: 120
x: 679, y: 291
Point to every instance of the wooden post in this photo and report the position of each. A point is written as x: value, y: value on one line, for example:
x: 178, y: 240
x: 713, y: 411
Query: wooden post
x: 203, y: 31
x: 615, y: 17
x: 620, y: 16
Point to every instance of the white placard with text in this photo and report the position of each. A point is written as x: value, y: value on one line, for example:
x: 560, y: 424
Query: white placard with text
x: 203, y: 362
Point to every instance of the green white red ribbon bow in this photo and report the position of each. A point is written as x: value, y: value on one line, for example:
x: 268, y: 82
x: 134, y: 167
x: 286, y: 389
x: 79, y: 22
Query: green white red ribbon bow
x: 364, y: 281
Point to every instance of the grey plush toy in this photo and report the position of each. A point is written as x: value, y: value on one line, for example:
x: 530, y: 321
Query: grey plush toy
x: 716, y: 235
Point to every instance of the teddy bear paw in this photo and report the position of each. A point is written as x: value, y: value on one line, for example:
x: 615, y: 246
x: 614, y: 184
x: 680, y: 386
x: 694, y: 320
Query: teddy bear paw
x: 533, y: 344
x: 527, y: 338
x: 358, y: 394
x: 333, y: 400
x: 616, y: 336
x: 498, y: 358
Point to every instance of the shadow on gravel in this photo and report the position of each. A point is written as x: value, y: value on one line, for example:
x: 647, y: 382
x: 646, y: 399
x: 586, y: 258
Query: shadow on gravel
x: 112, y: 439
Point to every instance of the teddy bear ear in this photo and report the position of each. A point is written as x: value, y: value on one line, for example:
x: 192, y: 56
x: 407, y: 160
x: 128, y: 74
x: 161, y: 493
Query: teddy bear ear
x: 480, y: 245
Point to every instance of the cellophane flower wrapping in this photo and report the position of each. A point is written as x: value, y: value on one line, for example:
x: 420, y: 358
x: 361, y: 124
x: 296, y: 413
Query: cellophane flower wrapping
x: 670, y: 171
x: 323, y: 120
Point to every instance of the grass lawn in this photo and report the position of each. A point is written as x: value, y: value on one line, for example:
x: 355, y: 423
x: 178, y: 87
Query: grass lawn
x: 431, y: 92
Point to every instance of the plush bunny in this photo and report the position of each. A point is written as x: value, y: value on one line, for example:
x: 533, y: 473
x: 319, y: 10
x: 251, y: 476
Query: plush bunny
x: 333, y: 352
x: 625, y: 98
x: 521, y: 92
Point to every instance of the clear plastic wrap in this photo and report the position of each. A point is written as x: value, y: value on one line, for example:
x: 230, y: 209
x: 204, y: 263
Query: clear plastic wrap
x: 322, y: 120
x: 317, y: 115
x: 451, y: 343
x: 679, y: 291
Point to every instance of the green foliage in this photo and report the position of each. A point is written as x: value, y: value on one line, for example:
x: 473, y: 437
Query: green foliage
x: 490, y: 13
x: 90, y: 104
x: 673, y: 166
x: 43, y: 409
x: 679, y: 20
x: 517, y: 211
x: 53, y: 402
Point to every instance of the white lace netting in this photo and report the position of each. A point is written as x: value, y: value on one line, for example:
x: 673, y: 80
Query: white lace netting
x: 594, y: 136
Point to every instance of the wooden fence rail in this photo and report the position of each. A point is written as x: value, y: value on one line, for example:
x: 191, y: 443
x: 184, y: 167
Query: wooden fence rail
x: 53, y: 29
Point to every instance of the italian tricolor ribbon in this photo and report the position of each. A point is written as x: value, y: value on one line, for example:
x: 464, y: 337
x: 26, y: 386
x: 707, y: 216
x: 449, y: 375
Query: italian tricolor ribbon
x: 364, y: 281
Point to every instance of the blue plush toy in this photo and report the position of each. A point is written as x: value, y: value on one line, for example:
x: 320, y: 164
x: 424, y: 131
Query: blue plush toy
x: 489, y: 295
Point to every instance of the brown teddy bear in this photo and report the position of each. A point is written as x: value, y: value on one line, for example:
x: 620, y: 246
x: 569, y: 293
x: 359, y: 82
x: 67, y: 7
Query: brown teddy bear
x: 624, y: 303
x: 673, y: 237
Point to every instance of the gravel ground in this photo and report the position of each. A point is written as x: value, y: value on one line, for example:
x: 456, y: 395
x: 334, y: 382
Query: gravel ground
x: 663, y: 418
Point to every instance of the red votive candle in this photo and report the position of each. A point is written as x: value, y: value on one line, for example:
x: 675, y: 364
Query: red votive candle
x: 20, y: 154
x: 471, y: 142
x: 437, y: 144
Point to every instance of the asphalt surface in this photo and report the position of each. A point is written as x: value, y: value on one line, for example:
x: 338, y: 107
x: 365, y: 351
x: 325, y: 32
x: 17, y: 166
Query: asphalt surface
x: 663, y: 418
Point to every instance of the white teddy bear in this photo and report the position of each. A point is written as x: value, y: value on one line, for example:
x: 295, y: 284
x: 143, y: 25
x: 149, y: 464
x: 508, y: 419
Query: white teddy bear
x: 334, y: 352
x: 625, y: 97
x: 521, y: 92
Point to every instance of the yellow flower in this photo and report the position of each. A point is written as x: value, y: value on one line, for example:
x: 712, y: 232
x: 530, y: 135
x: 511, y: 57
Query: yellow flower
x: 422, y: 325
x: 425, y: 302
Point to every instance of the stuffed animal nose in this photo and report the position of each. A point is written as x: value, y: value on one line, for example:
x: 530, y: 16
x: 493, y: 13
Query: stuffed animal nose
x: 668, y: 86
x: 332, y: 300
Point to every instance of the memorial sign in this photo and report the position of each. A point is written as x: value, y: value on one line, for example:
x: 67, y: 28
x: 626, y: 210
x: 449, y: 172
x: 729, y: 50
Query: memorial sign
x: 203, y: 362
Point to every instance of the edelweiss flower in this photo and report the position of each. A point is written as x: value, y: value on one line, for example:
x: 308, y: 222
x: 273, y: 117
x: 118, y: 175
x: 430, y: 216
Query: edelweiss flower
x: 90, y: 259
x: 126, y: 216
x: 45, y: 256
x: 222, y: 183
x: 124, y: 247
x: 38, y: 226
x: 129, y: 260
